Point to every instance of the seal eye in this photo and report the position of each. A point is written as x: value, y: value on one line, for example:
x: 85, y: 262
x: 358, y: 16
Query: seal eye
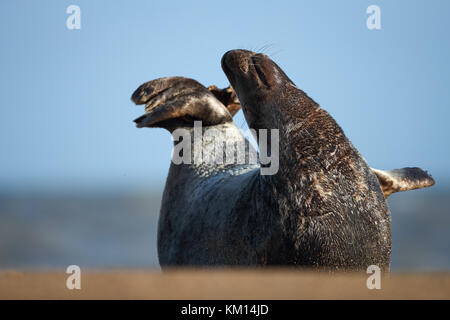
x: 256, y: 64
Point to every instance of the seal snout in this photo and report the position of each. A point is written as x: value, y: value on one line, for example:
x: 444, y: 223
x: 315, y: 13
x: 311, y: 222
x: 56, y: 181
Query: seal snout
x: 236, y: 61
x: 250, y: 69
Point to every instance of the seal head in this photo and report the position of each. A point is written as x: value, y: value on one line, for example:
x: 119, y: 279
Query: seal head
x: 258, y: 82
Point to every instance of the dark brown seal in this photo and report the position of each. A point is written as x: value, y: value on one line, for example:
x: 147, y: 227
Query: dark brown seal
x: 325, y: 208
x: 330, y: 204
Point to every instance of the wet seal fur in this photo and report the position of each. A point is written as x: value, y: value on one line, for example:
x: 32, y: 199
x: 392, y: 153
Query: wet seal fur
x: 324, y: 209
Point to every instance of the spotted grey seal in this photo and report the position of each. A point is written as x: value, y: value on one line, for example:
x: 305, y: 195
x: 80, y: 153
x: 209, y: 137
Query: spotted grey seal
x: 323, y: 209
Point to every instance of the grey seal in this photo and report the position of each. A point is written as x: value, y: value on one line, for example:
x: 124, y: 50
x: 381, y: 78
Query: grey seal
x: 325, y: 208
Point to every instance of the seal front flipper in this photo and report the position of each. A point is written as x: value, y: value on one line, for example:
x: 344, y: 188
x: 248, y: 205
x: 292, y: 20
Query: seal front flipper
x: 404, y: 179
x: 173, y: 102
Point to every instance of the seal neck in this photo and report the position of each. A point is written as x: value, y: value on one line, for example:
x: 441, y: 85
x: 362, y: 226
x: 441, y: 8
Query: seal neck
x: 312, y: 145
x: 211, y: 149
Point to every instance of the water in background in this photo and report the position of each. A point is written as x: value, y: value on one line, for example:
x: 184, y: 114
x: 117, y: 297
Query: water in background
x: 119, y: 230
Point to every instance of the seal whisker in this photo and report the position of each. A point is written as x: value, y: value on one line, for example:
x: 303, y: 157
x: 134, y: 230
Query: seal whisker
x: 275, y: 53
x: 266, y: 47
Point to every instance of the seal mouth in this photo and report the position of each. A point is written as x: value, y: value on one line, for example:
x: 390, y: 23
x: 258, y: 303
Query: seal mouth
x: 259, y: 72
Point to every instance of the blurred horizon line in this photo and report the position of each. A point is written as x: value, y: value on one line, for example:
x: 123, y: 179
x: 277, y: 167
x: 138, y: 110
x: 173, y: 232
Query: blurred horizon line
x: 137, y: 189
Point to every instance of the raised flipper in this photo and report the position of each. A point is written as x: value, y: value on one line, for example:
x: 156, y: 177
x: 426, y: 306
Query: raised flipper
x: 174, y: 102
x: 404, y: 179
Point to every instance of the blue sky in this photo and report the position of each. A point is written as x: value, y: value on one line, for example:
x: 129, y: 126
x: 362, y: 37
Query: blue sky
x: 66, y: 115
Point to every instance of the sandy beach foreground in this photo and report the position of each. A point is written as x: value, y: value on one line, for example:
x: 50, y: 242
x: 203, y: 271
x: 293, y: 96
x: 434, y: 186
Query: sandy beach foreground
x: 220, y: 284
